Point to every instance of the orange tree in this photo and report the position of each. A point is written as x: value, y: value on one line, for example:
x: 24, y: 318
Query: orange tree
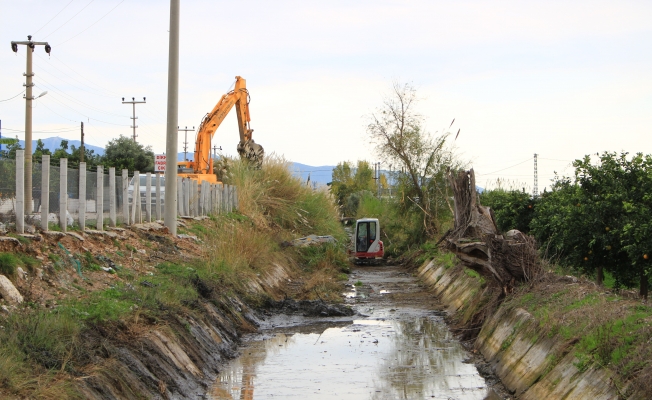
x: 602, y: 218
x: 513, y: 209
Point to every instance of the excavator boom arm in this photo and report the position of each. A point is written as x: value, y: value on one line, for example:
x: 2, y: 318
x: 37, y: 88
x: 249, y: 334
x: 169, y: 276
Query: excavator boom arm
x: 238, y: 97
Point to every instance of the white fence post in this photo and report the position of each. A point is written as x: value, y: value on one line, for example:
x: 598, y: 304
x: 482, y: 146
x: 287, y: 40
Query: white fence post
x: 125, y: 197
x: 227, y: 197
x: 180, y: 196
x: 99, y: 202
x: 82, y: 196
x: 200, y: 199
x: 63, y: 194
x: 220, y: 198
x: 45, y: 190
x: 112, y: 218
x: 235, y: 198
x: 148, y: 197
x: 158, y: 197
x: 135, y: 199
x: 20, y: 191
x: 195, y: 198
x: 186, y: 196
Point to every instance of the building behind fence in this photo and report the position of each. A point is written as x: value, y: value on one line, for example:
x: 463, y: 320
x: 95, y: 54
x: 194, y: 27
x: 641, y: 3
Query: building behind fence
x: 99, y: 198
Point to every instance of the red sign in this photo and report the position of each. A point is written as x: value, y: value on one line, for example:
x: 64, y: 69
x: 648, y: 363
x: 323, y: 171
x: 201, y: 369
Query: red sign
x: 159, y: 162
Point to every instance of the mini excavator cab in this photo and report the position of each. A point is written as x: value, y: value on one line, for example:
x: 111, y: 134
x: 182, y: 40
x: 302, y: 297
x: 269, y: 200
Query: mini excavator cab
x: 366, y: 240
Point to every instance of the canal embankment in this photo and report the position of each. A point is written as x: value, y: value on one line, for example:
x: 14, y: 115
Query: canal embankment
x: 557, y: 338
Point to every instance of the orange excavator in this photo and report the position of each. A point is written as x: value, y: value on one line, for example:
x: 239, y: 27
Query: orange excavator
x: 201, y: 168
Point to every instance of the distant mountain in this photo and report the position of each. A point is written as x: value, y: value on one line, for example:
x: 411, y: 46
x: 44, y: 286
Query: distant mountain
x: 54, y: 143
x: 321, y: 174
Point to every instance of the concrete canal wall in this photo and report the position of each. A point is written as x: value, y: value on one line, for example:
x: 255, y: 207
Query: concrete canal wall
x: 530, y: 365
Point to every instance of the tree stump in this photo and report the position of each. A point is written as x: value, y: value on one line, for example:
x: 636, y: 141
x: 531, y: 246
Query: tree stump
x: 479, y: 245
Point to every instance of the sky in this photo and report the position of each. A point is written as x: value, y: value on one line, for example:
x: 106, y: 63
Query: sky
x: 558, y: 78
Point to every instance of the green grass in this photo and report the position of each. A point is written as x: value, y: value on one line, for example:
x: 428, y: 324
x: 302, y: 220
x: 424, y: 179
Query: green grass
x: 199, y: 230
x: 327, y: 254
x: 9, y: 262
x: 474, y: 274
x: 589, y: 300
x: 23, y: 240
x: 447, y: 260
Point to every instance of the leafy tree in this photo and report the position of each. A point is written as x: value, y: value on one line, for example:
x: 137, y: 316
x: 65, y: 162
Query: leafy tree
x: 600, y: 220
x: 125, y: 153
x: 513, y: 209
x: 617, y: 190
x: 397, y: 132
x: 7, y: 167
x: 72, y: 153
x: 11, y: 146
x: 40, y: 151
x: 348, y: 184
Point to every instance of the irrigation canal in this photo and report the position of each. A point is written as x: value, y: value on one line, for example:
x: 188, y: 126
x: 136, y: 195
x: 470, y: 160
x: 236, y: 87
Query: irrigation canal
x: 397, y: 346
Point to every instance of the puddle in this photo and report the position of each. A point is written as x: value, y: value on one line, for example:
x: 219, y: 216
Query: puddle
x: 415, y: 357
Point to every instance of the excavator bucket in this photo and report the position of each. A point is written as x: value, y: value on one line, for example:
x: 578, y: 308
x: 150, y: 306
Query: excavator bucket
x: 251, y: 151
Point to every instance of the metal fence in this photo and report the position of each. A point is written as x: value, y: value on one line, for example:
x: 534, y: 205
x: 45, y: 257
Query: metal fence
x: 98, y: 198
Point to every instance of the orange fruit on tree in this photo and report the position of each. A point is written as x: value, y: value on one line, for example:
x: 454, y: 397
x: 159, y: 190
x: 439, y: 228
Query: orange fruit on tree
x: 645, y: 256
x: 586, y: 259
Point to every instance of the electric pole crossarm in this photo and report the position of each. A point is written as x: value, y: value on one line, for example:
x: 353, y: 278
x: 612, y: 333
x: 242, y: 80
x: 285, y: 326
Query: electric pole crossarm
x: 134, y: 118
x: 185, y: 143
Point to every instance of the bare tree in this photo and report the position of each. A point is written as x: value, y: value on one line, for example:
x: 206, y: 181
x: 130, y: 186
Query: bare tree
x: 396, y: 130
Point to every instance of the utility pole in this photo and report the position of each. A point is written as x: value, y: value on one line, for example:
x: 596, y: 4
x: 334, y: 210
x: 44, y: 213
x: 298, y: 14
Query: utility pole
x: 378, y: 181
x: 536, y: 178
x: 215, y: 149
x: 172, y: 136
x: 28, y: 114
x: 81, y: 149
x: 134, y: 118
x: 185, y: 142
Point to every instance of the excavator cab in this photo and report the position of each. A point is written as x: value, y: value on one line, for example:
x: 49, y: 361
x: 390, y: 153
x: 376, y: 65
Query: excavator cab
x: 366, y: 240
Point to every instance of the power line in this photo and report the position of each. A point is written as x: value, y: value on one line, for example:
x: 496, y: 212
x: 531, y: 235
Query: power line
x: 82, y: 76
x: 554, y: 159
x: 82, y: 114
x: 512, y: 166
x: 69, y: 19
x: 101, y: 18
x: 13, y: 97
x: 57, y: 92
x: 46, y: 24
x: 95, y: 90
x: 54, y: 131
x: 61, y: 93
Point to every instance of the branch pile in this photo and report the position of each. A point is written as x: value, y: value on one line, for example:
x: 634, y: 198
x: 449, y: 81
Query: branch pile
x: 475, y: 239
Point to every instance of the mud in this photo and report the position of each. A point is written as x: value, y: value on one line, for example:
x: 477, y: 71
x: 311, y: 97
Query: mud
x: 395, y: 346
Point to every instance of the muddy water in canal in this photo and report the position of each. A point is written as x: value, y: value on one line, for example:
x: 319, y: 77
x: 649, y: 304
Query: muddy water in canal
x: 397, y: 346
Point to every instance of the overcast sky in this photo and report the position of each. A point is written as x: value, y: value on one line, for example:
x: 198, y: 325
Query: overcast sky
x: 558, y: 78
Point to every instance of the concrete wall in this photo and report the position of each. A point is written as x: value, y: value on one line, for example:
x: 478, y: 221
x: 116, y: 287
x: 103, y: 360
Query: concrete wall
x: 531, y: 366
